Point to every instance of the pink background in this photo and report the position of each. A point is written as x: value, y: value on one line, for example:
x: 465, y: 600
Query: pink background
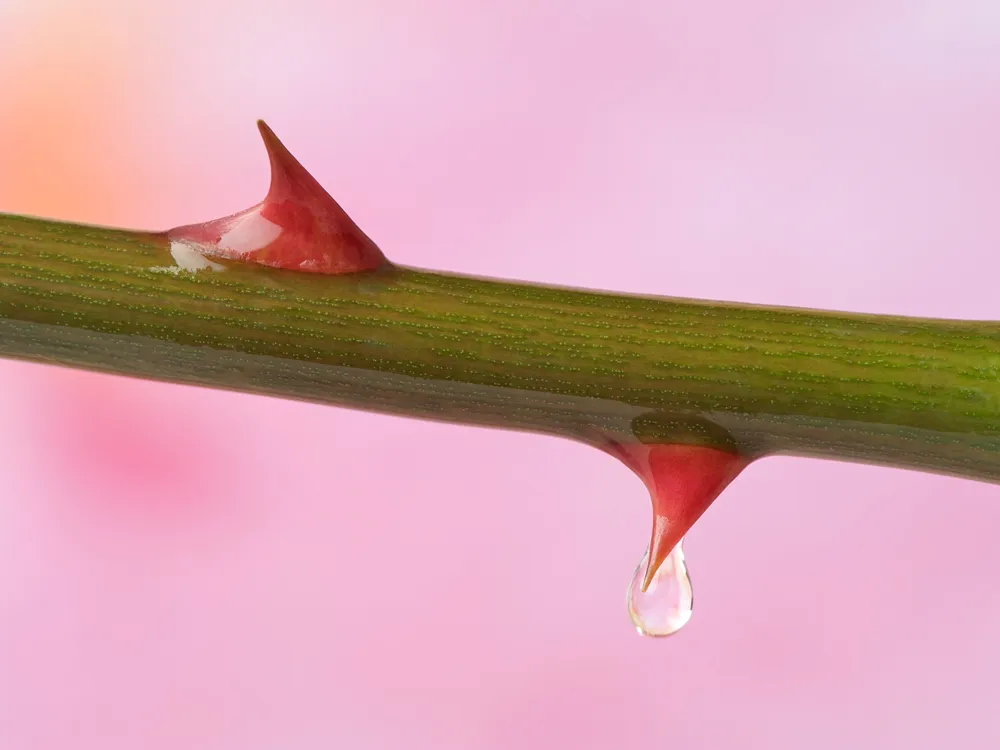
x: 183, y: 568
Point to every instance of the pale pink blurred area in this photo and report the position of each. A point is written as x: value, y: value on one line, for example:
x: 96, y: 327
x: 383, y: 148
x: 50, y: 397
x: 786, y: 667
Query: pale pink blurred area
x: 184, y: 568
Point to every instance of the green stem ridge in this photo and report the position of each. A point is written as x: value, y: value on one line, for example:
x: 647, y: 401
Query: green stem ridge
x: 596, y: 367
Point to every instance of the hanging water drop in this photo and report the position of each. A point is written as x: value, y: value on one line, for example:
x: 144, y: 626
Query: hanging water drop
x: 666, y: 605
x: 683, y: 480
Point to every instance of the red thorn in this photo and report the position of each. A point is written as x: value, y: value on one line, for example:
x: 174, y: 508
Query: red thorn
x: 683, y: 480
x: 298, y: 226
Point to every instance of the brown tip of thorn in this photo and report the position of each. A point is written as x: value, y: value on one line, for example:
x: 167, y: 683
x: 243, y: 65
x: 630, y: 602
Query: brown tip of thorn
x: 298, y: 226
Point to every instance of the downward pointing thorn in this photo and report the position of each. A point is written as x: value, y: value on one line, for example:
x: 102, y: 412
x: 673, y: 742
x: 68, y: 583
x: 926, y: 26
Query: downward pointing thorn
x: 683, y: 480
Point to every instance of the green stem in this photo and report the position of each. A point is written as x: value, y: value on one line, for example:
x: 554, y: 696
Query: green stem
x: 595, y: 367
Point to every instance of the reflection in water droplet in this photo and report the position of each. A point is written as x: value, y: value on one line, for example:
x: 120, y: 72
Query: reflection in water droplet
x: 665, y: 607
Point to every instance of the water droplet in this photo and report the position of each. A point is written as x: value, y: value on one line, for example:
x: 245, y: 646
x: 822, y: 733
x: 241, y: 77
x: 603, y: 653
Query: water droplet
x: 666, y: 605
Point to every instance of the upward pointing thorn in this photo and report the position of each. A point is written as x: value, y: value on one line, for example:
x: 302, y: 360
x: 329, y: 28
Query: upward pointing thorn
x: 298, y: 226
